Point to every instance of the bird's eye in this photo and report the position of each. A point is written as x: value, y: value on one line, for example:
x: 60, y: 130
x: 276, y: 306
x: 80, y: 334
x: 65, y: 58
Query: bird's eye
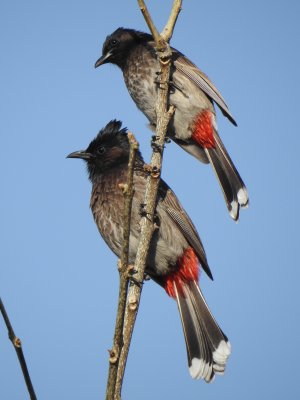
x: 101, y: 150
x: 113, y: 42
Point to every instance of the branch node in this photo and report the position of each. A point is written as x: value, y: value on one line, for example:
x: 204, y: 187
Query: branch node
x: 171, y: 110
x: 17, y: 342
x: 155, y: 173
x: 123, y: 187
x: 147, y: 168
x: 18, y: 348
x: 164, y: 60
x: 132, y: 302
x: 130, y: 269
x: 114, y: 354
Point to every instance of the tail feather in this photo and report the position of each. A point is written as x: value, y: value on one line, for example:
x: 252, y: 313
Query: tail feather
x: 198, y: 352
x: 233, y: 187
x: 237, y: 181
x: 229, y: 193
x: 204, y: 135
x: 218, y: 339
x: 207, y: 346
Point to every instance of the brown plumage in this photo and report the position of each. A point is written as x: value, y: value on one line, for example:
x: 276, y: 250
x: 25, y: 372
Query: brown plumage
x: 193, y: 126
x: 175, y: 249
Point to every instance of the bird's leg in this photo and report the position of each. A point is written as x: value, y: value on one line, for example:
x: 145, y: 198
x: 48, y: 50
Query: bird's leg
x: 156, y: 147
x: 143, y: 212
x: 130, y: 272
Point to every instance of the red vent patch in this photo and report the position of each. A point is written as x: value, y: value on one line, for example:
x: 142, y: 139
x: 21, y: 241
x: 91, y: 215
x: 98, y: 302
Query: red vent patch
x: 188, y: 270
x: 203, y: 131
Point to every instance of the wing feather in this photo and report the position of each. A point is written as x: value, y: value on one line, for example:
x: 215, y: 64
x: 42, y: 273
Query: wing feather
x: 174, y: 209
x: 191, y: 71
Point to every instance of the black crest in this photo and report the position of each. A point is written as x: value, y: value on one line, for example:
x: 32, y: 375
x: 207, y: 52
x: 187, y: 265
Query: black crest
x: 111, y: 135
x: 110, y: 150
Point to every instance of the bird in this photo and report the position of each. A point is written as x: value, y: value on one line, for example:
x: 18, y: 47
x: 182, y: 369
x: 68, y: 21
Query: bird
x: 193, y: 126
x: 176, y: 251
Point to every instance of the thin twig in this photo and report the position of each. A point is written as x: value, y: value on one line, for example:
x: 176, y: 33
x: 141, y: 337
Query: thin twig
x: 128, y: 192
x: 164, y: 114
x: 18, y: 347
x: 149, y: 21
x: 169, y: 28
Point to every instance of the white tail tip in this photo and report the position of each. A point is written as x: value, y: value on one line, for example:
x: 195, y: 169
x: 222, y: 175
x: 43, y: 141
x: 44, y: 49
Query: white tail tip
x: 242, y: 196
x: 201, y: 370
x: 220, y: 356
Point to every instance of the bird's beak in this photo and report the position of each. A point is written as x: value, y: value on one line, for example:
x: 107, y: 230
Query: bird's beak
x: 84, y: 155
x: 103, y: 59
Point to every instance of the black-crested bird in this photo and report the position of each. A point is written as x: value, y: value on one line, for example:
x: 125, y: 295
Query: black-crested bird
x: 193, y: 126
x: 176, y: 250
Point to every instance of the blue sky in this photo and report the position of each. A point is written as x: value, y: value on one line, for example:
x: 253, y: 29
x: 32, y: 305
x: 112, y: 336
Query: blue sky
x: 59, y: 280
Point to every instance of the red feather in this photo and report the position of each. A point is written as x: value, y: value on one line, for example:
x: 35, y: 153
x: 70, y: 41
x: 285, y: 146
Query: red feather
x: 203, y: 131
x: 188, y: 270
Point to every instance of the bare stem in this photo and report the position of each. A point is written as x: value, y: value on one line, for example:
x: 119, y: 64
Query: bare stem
x: 169, y: 28
x: 164, y: 114
x: 149, y: 21
x: 128, y: 192
x: 18, y: 347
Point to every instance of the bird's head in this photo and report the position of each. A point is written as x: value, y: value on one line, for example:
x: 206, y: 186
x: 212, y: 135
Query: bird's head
x: 109, y: 150
x: 117, y: 46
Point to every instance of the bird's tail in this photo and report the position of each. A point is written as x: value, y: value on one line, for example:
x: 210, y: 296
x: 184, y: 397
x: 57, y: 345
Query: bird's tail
x: 207, y: 146
x: 232, y: 185
x: 207, y: 346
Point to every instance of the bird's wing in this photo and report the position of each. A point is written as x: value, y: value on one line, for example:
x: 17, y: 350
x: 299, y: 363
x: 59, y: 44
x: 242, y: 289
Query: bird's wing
x: 191, y: 71
x: 174, y: 209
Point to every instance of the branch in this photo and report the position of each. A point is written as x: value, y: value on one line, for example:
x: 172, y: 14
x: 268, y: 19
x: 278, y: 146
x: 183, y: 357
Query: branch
x: 128, y: 192
x: 18, y: 347
x: 149, y: 21
x: 169, y: 28
x: 164, y: 114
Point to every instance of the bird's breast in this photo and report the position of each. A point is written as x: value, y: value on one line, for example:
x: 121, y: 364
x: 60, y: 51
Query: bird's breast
x: 140, y: 77
x: 107, y: 208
